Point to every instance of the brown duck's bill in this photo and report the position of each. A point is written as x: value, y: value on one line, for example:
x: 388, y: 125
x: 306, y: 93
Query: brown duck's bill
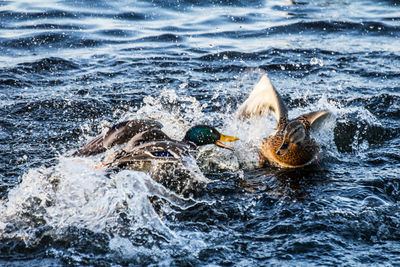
x: 226, y: 138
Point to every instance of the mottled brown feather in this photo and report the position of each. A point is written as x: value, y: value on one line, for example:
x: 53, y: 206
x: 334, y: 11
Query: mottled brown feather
x: 264, y: 98
x: 298, y: 155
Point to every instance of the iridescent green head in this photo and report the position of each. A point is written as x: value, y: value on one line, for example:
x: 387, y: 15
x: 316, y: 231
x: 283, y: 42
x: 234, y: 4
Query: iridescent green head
x: 205, y: 135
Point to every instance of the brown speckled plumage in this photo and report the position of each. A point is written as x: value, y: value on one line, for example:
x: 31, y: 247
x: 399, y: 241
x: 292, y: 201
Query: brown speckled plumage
x: 298, y: 155
x: 300, y: 148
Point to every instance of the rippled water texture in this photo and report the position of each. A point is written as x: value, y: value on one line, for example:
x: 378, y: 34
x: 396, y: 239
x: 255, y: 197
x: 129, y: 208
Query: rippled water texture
x: 70, y: 69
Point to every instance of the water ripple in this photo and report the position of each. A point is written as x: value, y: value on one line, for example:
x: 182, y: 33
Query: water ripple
x: 70, y: 69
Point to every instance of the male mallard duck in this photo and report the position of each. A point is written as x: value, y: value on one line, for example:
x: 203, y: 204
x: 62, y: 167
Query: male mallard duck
x: 291, y: 145
x: 147, y: 148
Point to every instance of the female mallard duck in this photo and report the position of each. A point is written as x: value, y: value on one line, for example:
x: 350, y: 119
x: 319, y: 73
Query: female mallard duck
x: 291, y: 145
x: 147, y: 148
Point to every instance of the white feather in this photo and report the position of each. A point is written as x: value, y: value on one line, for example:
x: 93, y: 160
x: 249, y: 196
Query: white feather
x: 262, y: 99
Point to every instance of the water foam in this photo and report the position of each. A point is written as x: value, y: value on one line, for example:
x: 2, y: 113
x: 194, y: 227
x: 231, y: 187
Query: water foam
x: 73, y: 194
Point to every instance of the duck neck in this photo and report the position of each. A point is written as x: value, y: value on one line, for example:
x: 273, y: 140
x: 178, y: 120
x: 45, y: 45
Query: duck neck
x: 190, y: 143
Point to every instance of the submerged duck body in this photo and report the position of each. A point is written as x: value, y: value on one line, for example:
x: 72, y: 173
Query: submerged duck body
x: 292, y: 145
x: 147, y: 148
x: 169, y: 162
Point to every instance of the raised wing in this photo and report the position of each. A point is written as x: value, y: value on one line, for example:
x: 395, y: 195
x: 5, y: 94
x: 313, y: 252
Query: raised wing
x: 262, y: 99
x: 315, y: 118
x: 118, y: 134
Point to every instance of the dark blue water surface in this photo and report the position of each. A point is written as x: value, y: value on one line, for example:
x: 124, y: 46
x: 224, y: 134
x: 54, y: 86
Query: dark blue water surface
x: 70, y: 69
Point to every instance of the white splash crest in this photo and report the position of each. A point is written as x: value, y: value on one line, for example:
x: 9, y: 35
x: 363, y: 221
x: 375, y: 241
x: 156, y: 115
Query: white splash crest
x: 176, y: 115
x: 72, y: 193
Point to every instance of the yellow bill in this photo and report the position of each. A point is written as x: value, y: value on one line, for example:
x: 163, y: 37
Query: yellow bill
x: 226, y: 138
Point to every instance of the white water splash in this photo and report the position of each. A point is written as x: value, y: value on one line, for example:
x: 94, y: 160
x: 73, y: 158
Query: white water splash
x: 72, y: 193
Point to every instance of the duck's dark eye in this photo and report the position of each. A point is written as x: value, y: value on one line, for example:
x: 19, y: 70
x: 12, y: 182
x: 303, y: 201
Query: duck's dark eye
x: 202, y: 135
x: 284, y: 145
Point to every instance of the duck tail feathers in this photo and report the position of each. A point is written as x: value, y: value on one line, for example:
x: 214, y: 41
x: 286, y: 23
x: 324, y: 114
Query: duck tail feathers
x: 315, y: 118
